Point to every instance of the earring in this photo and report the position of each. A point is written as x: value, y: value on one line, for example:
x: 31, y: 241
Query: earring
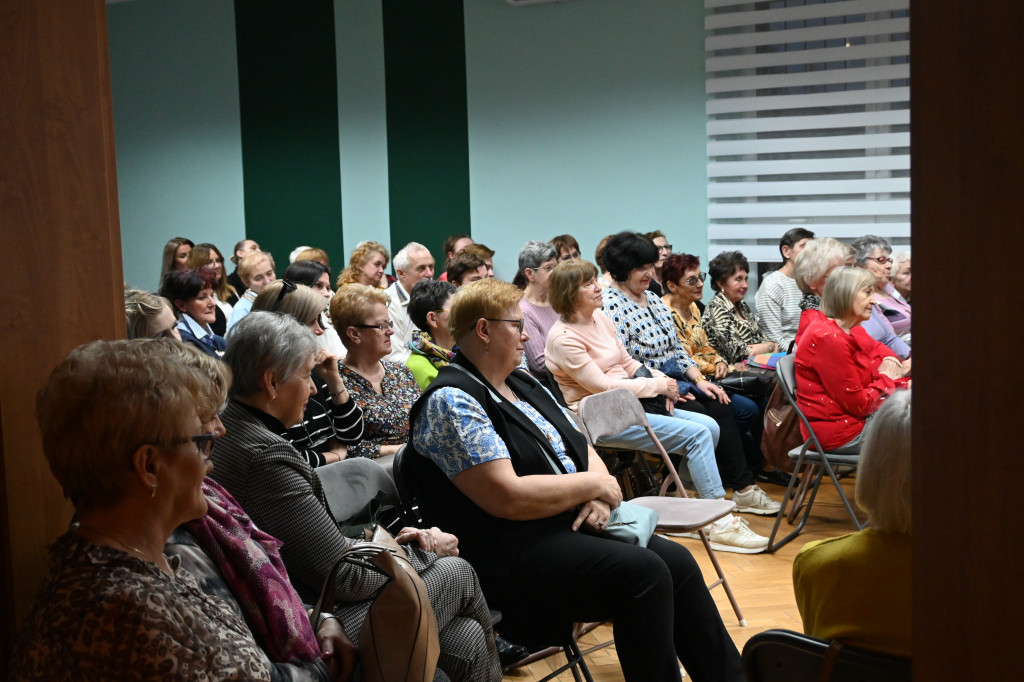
x: 152, y: 491
x: 487, y: 348
x: 274, y: 397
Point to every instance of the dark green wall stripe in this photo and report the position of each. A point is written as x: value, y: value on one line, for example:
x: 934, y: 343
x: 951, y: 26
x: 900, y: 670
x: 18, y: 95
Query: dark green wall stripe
x: 288, y: 92
x: 428, y: 140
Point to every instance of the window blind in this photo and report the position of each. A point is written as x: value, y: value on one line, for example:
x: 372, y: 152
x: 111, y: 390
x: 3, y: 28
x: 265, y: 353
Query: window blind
x: 808, y: 121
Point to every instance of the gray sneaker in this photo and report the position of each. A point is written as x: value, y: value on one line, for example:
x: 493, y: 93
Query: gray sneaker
x: 736, y: 537
x: 755, y: 501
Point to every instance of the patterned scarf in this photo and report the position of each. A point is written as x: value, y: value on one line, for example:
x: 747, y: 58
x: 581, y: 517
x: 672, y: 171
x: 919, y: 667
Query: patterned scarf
x: 810, y: 302
x: 422, y: 344
x: 251, y: 565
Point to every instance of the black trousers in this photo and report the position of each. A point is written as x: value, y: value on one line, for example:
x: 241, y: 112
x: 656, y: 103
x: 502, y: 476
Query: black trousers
x: 730, y: 454
x: 656, y: 597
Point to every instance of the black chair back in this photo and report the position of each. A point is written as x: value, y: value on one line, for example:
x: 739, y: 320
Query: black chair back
x: 787, y: 656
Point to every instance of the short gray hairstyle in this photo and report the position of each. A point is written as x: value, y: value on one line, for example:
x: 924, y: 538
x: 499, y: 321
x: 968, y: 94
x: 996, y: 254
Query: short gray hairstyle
x: 898, y: 259
x: 841, y: 288
x: 264, y: 341
x: 817, y: 256
x: 884, y: 474
x: 534, y: 253
x: 867, y: 244
x: 401, y: 259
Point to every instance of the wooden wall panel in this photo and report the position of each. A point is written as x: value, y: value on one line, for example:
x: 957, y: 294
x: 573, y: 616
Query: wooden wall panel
x: 61, y: 280
x: 967, y: 202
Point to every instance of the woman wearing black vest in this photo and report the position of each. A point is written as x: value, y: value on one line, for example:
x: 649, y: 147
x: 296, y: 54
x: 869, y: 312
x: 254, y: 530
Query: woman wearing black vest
x: 487, y: 443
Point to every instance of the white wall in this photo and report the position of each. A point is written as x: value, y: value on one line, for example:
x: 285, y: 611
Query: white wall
x: 586, y: 117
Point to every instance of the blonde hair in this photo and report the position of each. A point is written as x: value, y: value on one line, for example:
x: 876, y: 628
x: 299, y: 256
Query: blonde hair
x: 816, y: 258
x: 360, y: 256
x: 565, y: 282
x: 314, y: 254
x: 247, y: 263
x: 104, y: 401
x: 883, y: 487
x: 352, y: 304
x: 140, y: 307
x: 841, y: 288
x: 213, y: 369
x: 483, y: 298
x: 197, y: 258
x: 301, y: 302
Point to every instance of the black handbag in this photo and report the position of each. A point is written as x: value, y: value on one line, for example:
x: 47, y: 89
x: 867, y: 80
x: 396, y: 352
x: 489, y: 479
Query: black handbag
x: 752, y: 382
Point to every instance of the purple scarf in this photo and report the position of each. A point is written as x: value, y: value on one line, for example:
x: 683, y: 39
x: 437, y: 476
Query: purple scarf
x: 251, y: 565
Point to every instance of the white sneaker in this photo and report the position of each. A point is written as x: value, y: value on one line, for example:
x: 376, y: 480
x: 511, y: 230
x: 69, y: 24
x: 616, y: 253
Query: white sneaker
x: 755, y: 501
x: 736, y: 537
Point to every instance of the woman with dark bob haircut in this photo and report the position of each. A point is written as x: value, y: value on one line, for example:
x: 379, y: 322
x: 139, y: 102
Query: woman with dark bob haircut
x: 431, y: 343
x: 495, y: 457
x: 645, y: 326
x: 731, y: 326
x: 192, y: 294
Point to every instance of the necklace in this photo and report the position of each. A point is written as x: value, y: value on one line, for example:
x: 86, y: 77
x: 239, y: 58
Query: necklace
x: 118, y: 541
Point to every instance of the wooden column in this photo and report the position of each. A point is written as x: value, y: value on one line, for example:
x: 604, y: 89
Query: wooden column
x: 61, y: 283
x: 968, y: 201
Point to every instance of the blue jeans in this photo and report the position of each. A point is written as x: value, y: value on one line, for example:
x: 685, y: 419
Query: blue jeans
x: 684, y: 433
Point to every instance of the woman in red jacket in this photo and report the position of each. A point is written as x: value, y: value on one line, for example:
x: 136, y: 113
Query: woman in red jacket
x: 839, y: 381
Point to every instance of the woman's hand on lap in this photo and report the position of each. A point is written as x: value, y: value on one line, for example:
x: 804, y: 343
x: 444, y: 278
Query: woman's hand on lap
x: 721, y: 369
x: 338, y: 652
x: 593, y: 515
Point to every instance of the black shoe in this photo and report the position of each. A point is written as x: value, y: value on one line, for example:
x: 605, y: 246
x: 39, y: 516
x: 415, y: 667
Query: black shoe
x: 509, y: 653
x: 775, y: 477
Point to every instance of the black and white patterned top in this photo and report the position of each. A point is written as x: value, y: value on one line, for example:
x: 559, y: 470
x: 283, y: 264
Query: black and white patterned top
x: 648, y: 333
x: 324, y: 421
x: 731, y: 328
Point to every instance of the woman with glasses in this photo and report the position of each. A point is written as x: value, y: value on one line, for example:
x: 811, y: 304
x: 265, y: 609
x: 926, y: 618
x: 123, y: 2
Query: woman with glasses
x: 331, y: 420
x: 123, y: 432
x: 432, y: 342
x: 890, y: 319
x: 488, y: 441
x: 384, y: 390
x: 536, y: 261
x: 192, y: 293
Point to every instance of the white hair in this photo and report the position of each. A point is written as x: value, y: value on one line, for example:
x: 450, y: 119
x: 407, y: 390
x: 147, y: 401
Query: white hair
x: 401, y: 259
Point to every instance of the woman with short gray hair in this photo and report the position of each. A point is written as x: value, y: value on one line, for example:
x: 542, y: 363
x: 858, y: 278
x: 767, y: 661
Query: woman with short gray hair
x: 874, y: 255
x: 271, y: 357
x: 536, y: 261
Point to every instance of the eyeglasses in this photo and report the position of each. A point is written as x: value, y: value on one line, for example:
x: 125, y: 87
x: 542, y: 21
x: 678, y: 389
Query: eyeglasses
x: 318, y: 321
x: 666, y: 247
x: 287, y: 286
x: 204, y: 443
x: 520, y: 323
x: 881, y: 260
x: 382, y: 327
x: 692, y: 281
x: 545, y: 268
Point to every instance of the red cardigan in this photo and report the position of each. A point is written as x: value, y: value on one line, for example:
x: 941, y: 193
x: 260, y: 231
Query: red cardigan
x: 837, y: 380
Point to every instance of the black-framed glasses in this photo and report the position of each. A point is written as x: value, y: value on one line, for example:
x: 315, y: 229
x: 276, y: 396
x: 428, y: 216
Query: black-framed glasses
x: 204, y: 443
x: 692, y: 281
x: 520, y: 323
x: 881, y: 260
x: 287, y: 286
x: 382, y: 327
x: 665, y: 247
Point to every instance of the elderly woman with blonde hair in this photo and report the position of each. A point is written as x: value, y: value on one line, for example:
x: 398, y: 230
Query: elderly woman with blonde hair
x: 126, y: 430
x: 384, y: 390
x: 857, y: 588
x: 331, y: 420
x: 498, y: 461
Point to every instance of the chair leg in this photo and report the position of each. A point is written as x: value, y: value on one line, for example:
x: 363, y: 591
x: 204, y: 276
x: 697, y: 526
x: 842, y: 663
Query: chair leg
x: 722, y: 580
x: 801, y: 492
x: 785, y: 500
x: 842, y: 496
x: 803, y: 521
x: 574, y: 661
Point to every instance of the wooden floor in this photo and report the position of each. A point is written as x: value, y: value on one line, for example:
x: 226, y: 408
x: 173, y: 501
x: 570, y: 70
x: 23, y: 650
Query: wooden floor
x: 762, y: 584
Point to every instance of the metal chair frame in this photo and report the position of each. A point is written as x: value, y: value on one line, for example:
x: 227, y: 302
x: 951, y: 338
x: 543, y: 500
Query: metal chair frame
x: 811, y: 453
x: 787, y: 656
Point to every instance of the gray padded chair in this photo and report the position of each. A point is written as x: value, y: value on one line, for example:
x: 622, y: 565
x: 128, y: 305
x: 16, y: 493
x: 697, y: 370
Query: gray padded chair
x: 811, y: 453
x: 351, y: 484
x: 608, y: 413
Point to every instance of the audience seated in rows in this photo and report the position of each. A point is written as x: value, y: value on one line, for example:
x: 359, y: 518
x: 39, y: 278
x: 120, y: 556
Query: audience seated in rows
x: 256, y: 269
x: 432, y: 343
x: 413, y: 263
x: 384, y: 390
x: 566, y: 247
x: 484, y: 253
x: 331, y: 420
x: 585, y: 356
x: 841, y: 377
x: 176, y: 253
x: 191, y: 293
x: 657, y: 238
x: 234, y: 279
x: 900, y: 274
x: 485, y: 441
x: 857, y: 588
x: 778, y: 296
x: 466, y: 267
x: 452, y: 245
x: 149, y: 316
